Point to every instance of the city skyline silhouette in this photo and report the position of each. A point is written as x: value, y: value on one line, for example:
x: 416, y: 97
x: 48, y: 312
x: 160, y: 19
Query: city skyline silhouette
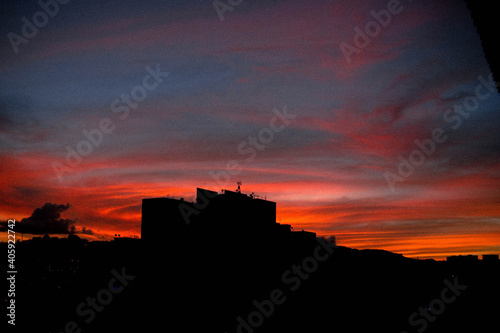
x: 249, y: 166
x: 233, y: 268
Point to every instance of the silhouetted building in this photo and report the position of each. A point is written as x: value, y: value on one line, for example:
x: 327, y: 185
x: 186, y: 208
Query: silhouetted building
x: 303, y: 236
x: 226, y: 214
x: 235, y: 211
x: 460, y: 259
x: 490, y: 258
x: 161, y: 218
x: 126, y: 240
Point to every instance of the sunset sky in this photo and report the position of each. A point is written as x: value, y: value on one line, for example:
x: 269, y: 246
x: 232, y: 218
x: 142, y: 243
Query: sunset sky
x: 374, y: 121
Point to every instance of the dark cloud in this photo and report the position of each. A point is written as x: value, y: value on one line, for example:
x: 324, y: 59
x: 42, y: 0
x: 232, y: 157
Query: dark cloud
x: 85, y: 231
x: 47, y: 220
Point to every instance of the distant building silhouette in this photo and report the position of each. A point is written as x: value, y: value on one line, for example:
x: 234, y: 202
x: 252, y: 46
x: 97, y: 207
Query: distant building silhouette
x: 490, y: 258
x: 126, y: 240
x: 460, y: 259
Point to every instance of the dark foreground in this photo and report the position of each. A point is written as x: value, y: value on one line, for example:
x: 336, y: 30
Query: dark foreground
x: 203, y: 285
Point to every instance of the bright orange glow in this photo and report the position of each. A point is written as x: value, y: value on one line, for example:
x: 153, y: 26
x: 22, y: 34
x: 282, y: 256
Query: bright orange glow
x: 426, y: 227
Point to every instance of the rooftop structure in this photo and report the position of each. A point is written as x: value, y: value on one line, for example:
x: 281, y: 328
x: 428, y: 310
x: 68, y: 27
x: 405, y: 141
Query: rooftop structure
x: 225, y: 214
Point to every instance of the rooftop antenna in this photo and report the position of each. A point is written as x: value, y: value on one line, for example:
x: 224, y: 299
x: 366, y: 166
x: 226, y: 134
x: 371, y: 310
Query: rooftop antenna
x: 239, y: 184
